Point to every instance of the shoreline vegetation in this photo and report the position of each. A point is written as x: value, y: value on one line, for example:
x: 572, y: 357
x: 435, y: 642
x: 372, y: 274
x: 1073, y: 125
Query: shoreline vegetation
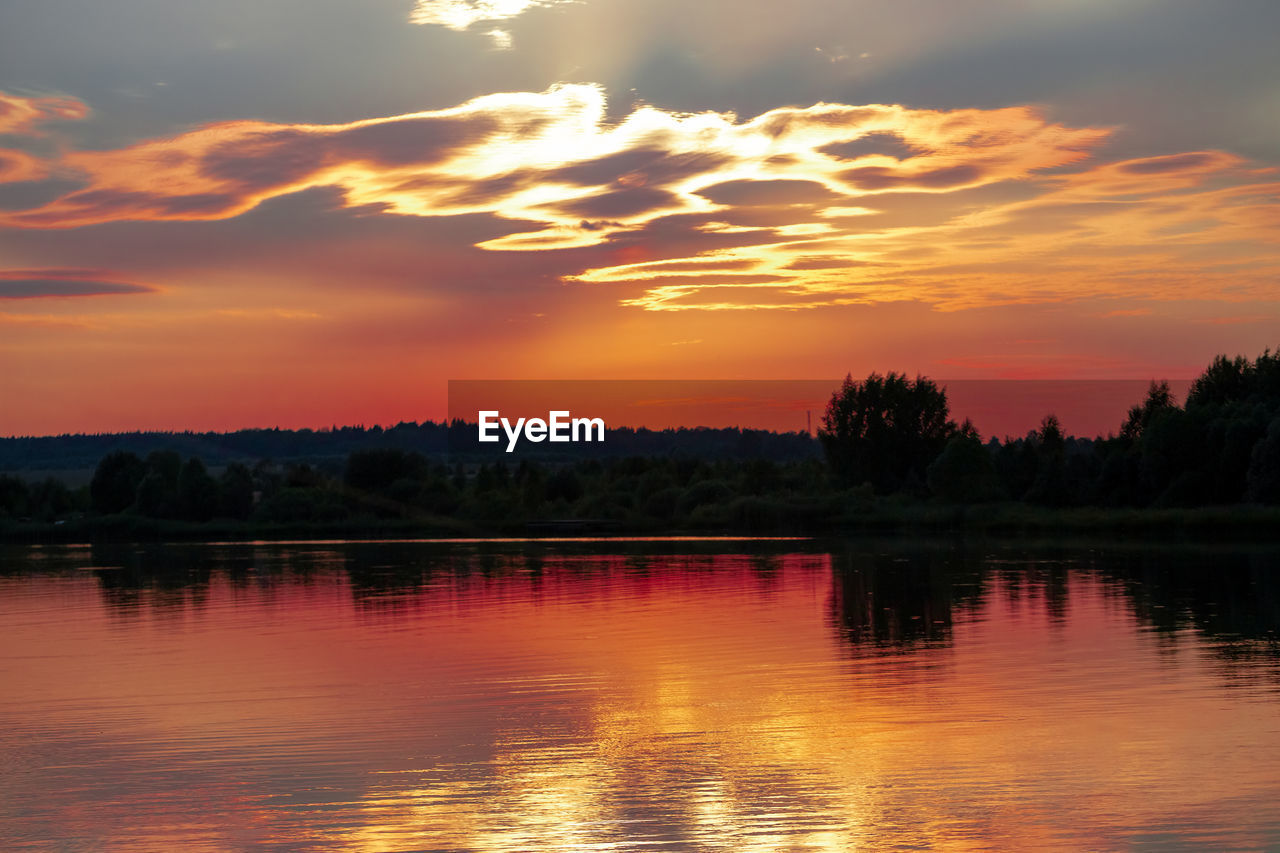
x: 1244, y: 523
x: 887, y: 459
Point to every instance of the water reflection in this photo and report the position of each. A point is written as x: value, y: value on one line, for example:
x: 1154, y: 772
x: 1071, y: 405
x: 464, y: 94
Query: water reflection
x: 1228, y: 599
x: 895, y: 600
x: 399, y: 696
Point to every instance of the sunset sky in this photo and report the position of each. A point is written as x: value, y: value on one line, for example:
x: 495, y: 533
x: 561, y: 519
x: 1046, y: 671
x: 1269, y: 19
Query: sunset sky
x: 311, y: 212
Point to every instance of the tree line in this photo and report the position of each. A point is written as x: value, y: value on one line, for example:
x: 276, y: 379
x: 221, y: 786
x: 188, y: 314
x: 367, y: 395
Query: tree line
x: 1221, y: 447
x: 886, y: 441
x: 437, y: 440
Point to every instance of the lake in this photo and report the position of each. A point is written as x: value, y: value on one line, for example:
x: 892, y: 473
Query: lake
x: 682, y: 695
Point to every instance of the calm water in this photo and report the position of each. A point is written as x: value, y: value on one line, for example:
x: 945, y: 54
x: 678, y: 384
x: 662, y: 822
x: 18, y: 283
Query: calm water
x: 649, y: 696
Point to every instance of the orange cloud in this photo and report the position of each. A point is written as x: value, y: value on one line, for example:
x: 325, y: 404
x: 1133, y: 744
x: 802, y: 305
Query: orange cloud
x: 554, y: 159
x: 798, y: 207
x: 20, y: 115
x: 20, y: 166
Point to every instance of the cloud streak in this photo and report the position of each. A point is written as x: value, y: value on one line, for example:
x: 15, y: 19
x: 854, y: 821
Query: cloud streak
x: 55, y: 283
x: 797, y: 207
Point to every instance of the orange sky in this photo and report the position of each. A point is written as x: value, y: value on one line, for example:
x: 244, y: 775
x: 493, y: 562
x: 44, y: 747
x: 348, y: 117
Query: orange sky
x: 202, y: 258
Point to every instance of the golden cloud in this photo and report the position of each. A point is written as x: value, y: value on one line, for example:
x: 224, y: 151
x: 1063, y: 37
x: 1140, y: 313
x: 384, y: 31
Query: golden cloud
x: 797, y: 207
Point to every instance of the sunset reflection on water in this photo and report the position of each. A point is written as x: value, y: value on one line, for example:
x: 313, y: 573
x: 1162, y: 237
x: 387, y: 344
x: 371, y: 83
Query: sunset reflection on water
x: 729, y: 696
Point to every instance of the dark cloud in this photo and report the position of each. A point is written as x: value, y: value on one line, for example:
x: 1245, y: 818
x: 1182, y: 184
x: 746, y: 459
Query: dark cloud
x: 884, y: 144
x: 423, y: 140
x: 477, y: 192
x: 717, y: 280
x: 38, y: 288
x: 267, y: 160
x: 599, y: 224
x: 116, y: 203
x: 287, y: 156
x: 700, y: 265
x: 767, y: 193
x: 640, y: 165
x: 25, y: 194
x: 684, y: 235
x: 620, y: 203
x: 885, y: 178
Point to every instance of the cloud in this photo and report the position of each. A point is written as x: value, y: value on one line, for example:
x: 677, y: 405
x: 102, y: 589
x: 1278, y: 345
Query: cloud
x: 53, y: 283
x: 501, y: 38
x: 20, y: 115
x: 769, y: 193
x: 547, y: 157
x: 18, y: 166
x: 798, y: 207
x: 461, y: 14
x: 48, y: 321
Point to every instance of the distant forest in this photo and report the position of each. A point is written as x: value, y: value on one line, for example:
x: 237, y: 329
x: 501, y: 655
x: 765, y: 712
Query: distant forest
x: 329, y: 448
x: 887, y: 450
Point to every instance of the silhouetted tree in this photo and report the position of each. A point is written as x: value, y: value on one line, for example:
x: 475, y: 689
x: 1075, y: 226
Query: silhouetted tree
x: 761, y: 476
x: 167, y: 464
x: 114, y: 486
x: 301, y: 475
x: 1049, y: 486
x: 156, y: 497
x: 1229, y: 441
x: 292, y: 505
x: 531, y: 481
x: 197, y: 492
x: 564, y: 485
x: 14, y: 497
x: 1159, y: 399
x: 704, y: 493
x: 885, y: 430
x: 376, y: 470
x: 1264, y: 467
x: 235, y: 492
x: 964, y: 472
x: 1222, y: 381
x: 485, y: 481
x: 1172, y: 467
x: 50, y: 499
